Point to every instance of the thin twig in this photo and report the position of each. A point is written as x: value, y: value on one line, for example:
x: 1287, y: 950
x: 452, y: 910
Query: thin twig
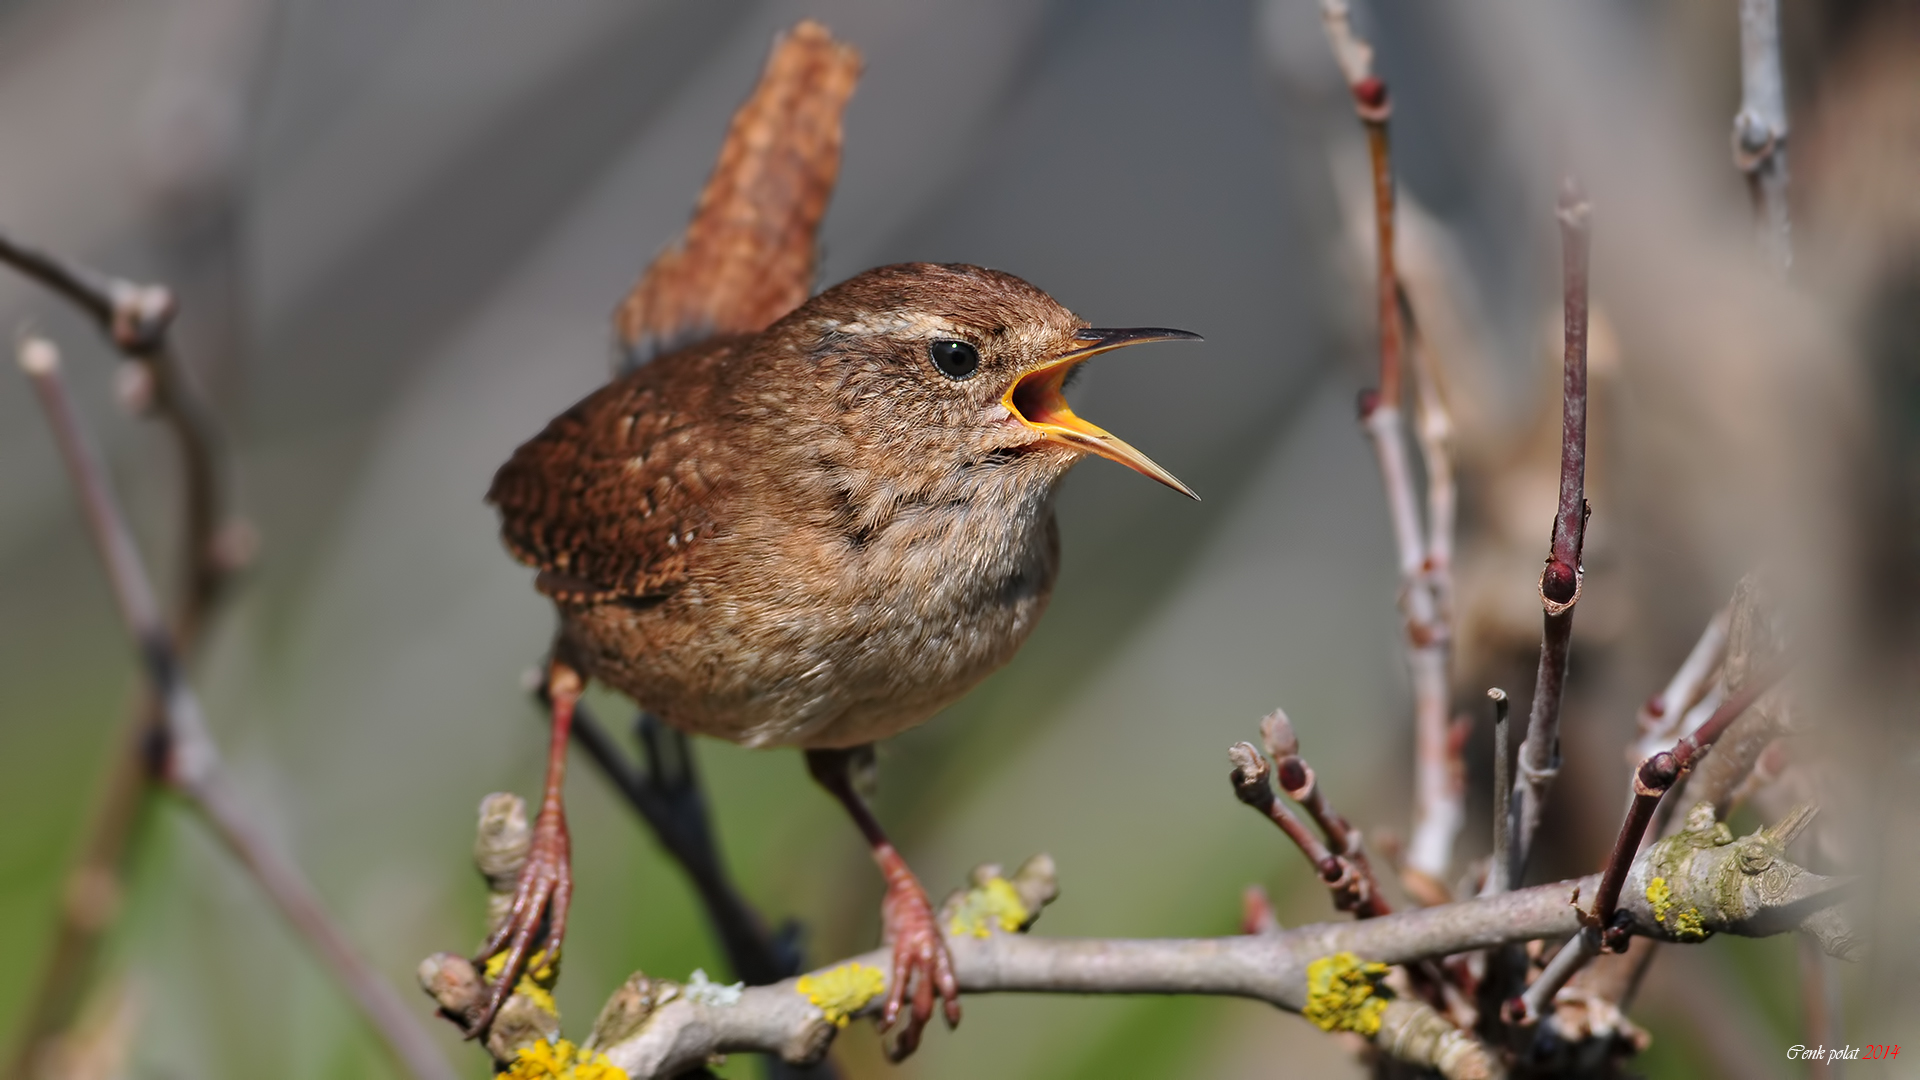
x: 1819, y: 1002
x: 136, y: 319
x: 1651, y: 781
x: 1505, y: 970
x: 1583, y: 946
x: 1560, y: 580
x: 1500, y: 867
x: 1433, y: 429
x: 1251, y: 779
x: 1437, y: 787
x: 1662, y: 718
x: 191, y: 762
x: 666, y: 793
x: 1357, y: 890
x: 1256, y: 911
x: 1760, y: 128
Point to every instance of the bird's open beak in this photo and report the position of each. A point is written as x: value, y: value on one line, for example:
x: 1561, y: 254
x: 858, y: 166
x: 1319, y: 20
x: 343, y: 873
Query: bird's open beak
x: 1035, y: 399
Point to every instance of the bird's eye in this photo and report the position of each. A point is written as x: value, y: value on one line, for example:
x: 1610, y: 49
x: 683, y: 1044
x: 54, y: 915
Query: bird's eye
x: 955, y: 359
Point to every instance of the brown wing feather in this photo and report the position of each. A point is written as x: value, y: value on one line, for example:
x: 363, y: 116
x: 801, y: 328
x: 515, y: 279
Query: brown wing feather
x: 613, y: 500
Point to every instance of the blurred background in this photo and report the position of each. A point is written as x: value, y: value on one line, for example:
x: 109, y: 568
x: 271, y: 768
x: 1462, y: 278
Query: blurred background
x: 398, y: 231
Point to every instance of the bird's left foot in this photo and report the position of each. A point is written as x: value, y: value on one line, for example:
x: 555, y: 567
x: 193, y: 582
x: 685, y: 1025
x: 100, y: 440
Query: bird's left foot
x: 539, y: 900
x: 545, y: 887
x: 922, y: 966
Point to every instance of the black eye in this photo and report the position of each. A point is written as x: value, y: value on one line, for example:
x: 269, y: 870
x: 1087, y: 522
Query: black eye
x: 955, y: 359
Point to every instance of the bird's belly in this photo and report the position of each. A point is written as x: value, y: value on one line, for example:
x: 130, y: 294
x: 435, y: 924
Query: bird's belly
x: 823, y: 659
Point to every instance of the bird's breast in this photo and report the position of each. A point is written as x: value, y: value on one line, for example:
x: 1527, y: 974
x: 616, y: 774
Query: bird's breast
x: 851, y: 620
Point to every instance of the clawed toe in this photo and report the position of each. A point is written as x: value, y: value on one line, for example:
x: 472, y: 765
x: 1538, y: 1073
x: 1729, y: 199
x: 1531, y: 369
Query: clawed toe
x: 539, y: 901
x: 922, y: 969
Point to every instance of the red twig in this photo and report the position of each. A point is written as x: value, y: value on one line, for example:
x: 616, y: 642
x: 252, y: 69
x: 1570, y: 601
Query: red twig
x: 1438, y: 790
x: 1250, y: 778
x: 1560, y: 580
x: 1357, y: 890
x: 1371, y: 102
x: 1256, y: 912
x: 1651, y: 781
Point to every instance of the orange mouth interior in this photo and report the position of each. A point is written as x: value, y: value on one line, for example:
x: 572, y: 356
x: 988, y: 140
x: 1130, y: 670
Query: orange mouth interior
x: 1036, y: 401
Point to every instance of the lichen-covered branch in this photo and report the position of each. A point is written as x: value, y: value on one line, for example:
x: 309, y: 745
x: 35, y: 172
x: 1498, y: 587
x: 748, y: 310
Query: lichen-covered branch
x: 1683, y: 889
x: 190, y: 764
x: 1651, y: 782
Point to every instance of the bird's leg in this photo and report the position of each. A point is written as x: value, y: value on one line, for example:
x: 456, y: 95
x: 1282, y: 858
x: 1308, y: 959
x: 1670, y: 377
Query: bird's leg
x: 922, y: 965
x: 546, y: 882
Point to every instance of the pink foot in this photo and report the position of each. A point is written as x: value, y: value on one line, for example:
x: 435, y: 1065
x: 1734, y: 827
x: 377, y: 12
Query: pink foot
x: 922, y: 965
x: 540, y: 899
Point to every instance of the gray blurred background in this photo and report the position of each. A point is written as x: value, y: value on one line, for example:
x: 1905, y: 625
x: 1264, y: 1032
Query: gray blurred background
x: 399, y: 229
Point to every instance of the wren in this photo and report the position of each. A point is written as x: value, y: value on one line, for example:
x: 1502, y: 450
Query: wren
x: 817, y: 536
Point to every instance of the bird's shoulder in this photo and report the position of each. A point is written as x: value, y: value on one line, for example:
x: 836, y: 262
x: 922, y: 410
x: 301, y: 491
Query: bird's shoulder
x: 613, y: 500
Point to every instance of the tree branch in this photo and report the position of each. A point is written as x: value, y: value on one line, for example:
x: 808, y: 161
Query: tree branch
x: 1651, y: 782
x: 1663, y: 717
x: 1560, y: 581
x: 1355, y: 890
x: 657, y: 1028
x: 1252, y: 784
x: 137, y: 319
x: 665, y: 791
x: 1760, y: 128
x: 189, y: 760
x: 1437, y: 785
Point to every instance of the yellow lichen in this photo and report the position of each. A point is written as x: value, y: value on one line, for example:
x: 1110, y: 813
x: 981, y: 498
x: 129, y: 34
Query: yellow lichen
x: 1344, y: 993
x: 996, y: 903
x: 842, y: 991
x: 1687, y: 925
x: 536, y: 984
x: 562, y: 1061
x: 1660, y: 896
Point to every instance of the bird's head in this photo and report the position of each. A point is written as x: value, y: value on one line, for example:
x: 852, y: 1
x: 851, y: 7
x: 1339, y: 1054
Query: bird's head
x: 964, y: 363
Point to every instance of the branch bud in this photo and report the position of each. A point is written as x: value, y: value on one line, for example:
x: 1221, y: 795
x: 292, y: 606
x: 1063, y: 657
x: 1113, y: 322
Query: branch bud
x: 1249, y: 776
x: 1277, y: 732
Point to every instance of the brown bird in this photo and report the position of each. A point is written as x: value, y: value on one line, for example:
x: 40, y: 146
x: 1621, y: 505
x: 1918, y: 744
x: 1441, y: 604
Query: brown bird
x: 816, y: 536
